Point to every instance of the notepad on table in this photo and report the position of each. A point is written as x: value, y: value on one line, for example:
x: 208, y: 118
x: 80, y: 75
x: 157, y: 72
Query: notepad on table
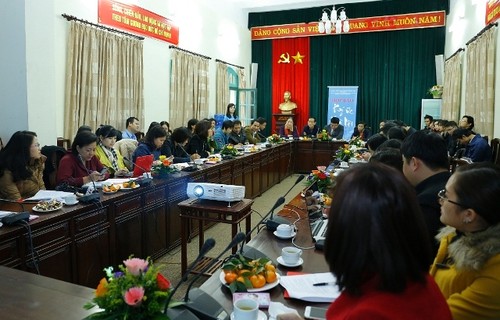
x: 302, y: 287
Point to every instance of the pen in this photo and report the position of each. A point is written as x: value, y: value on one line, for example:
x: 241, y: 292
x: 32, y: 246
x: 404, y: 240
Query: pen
x: 319, y: 284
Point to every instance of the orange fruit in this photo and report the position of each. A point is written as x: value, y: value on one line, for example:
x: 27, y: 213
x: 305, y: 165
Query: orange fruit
x: 258, y: 280
x: 270, y: 267
x: 270, y: 276
x: 230, y: 277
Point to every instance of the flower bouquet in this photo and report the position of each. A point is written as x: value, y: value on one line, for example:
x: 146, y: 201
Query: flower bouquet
x: 357, y: 142
x: 322, y: 179
x: 274, y: 138
x: 229, y: 150
x: 344, y: 153
x: 136, y: 291
x: 436, y: 91
x: 323, y: 135
x: 162, y: 167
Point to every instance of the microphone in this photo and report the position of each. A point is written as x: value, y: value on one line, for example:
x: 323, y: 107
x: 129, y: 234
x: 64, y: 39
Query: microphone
x: 273, y: 222
x: 199, y: 302
x: 207, y: 246
x: 142, y: 181
x: 262, y: 137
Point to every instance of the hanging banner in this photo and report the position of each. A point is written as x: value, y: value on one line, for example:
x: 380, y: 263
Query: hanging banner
x: 492, y: 11
x: 138, y: 20
x: 381, y: 23
x: 342, y: 103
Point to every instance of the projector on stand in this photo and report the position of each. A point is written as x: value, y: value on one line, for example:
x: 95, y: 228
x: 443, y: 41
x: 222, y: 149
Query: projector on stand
x: 214, y: 191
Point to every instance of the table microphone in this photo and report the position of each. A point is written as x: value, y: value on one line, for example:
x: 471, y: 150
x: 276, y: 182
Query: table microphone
x: 198, y: 301
x: 143, y: 181
x: 207, y: 246
x: 273, y: 222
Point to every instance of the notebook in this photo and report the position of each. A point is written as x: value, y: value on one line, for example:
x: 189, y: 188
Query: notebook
x: 142, y: 164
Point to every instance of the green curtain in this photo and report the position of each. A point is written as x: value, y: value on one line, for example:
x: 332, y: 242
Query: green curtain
x: 262, y: 55
x: 393, y: 69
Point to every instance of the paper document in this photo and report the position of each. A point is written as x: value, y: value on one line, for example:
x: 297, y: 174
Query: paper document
x: 302, y: 287
x: 49, y: 195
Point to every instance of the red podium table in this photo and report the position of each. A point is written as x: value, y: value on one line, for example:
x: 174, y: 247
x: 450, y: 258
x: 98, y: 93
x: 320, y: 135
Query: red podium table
x: 211, y: 211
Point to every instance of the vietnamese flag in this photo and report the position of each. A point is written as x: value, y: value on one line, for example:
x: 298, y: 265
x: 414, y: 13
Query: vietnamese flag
x: 290, y: 67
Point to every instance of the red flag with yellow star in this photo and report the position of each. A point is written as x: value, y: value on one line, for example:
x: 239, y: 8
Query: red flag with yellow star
x: 291, y: 73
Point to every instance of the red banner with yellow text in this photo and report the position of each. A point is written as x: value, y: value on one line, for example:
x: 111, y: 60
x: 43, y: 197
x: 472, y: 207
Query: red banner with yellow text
x: 492, y: 11
x: 372, y: 24
x: 137, y: 20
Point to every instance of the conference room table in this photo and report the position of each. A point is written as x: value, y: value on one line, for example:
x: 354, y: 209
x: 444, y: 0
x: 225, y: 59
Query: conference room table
x: 266, y: 242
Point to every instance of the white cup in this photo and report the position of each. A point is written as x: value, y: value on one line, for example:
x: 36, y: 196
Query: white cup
x: 246, y: 309
x: 284, y: 230
x: 71, y: 199
x: 291, y: 255
x: 198, y: 161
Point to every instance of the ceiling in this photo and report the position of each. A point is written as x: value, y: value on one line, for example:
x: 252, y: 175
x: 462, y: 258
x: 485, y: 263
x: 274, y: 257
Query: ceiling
x: 276, y: 5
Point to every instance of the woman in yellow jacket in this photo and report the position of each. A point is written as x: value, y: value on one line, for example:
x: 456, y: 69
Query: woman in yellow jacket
x: 21, y: 167
x: 110, y: 157
x: 467, y: 265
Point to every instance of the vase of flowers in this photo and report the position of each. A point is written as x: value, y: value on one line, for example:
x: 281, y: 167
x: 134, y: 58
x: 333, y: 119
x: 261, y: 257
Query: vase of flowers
x: 137, y: 290
x: 162, y: 167
x: 229, y: 150
x: 436, y: 91
x: 356, y: 143
x: 344, y: 153
x: 274, y: 138
x: 323, y: 135
x: 322, y: 179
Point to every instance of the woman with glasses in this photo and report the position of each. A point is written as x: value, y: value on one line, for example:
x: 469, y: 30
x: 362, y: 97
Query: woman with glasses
x: 21, y: 167
x: 467, y: 265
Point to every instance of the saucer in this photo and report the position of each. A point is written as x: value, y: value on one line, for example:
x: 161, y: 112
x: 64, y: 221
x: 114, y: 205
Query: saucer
x: 280, y: 261
x: 71, y: 204
x: 285, y: 237
x: 260, y: 316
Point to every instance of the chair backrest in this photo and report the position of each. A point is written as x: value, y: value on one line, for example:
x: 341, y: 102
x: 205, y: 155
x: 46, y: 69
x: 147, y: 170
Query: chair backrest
x: 495, y: 150
x: 54, y: 155
x: 456, y: 162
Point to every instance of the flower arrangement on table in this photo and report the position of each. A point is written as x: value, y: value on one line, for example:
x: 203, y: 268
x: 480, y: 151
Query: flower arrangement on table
x: 344, y: 153
x: 229, y: 150
x: 162, y: 167
x: 322, y: 179
x: 436, y: 91
x: 274, y: 138
x: 357, y: 143
x: 323, y: 135
x: 136, y: 291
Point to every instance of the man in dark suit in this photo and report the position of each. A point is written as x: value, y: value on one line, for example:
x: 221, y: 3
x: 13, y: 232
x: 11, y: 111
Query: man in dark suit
x: 426, y: 166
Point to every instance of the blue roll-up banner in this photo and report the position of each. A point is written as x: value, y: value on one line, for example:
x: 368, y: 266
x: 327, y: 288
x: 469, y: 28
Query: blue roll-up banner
x: 342, y: 103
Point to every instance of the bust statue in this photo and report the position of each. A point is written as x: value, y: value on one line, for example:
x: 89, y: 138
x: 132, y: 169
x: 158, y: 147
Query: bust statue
x: 288, y: 106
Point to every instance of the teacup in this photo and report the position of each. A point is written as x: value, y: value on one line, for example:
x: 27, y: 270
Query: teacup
x: 246, y: 309
x: 291, y: 255
x: 284, y: 230
x: 71, y: 199
x: 199, y: 161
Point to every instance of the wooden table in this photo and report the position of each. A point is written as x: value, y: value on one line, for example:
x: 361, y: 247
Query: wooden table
x: 270, y: 245
x: 211, y: 211
x: 25, y: 295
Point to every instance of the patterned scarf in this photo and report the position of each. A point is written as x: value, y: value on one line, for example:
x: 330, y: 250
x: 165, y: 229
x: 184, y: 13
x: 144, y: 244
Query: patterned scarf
x: 111, y: 154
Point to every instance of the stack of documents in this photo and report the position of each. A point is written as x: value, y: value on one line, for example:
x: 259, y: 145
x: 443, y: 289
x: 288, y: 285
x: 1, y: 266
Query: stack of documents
x: 313, y: 287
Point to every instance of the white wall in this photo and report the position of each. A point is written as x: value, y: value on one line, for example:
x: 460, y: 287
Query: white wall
x: 36, y: 73
x: 465, y: 20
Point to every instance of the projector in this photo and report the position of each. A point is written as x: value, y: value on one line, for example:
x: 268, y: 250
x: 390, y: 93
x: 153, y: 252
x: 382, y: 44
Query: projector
x: 214, y: 191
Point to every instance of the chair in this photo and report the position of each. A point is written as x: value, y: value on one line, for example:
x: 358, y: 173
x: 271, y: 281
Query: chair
x: 495, y: 151
x: 456, y: 162
x: 54, y: 155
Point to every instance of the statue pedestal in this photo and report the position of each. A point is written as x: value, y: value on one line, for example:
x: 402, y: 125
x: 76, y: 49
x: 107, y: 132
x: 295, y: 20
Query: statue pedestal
x: 280, y: 119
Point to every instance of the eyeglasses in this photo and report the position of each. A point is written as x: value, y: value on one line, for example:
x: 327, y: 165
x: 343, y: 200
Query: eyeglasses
x: 442, y: 197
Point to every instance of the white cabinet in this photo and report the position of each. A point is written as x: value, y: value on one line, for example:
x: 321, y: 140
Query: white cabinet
x: 431, y: 107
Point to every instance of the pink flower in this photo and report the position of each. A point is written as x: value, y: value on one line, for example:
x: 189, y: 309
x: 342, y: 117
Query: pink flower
x: 133, y: 296
x: 135, y: 266
x: 162, y: 282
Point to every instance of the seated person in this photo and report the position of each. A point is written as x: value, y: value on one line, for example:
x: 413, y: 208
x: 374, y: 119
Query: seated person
x: 252, y: 132
x: 289, y: 130
x: 231, y: 113
x: 174, y: 146
x: 373, y: 143
x: 221, y: 136
x: 21, y: 167
x: 388, y: 156
x: 236, y: 136
x: 311, y: 130
x: 155, y: 137
x: 476, y: 148
x: 109, y: 157
x: 191, y: 124
x: 81, y: 166
x: 467, y: 265
x: 262, y: 126
x: 361, y: 131
x: 198, y: 144
x: 335, y: 129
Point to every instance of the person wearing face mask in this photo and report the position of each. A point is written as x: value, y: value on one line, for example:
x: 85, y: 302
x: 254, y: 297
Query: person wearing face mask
x: 21, y: 167
x: 81, y: 166
x: 105, y: 152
